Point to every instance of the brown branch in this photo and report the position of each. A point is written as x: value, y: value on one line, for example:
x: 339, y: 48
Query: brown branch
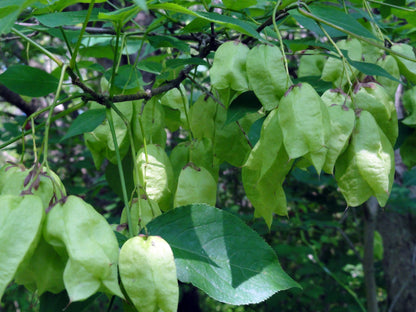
x: 212, y: 45
x: 92, y: 95
x: 149, y: 93
x: 92, y: 30
x: 280, y: 15
x: 16, y: 100
x: 370, y: 215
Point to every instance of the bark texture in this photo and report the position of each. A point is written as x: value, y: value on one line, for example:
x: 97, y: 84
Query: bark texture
x: 399, y: 240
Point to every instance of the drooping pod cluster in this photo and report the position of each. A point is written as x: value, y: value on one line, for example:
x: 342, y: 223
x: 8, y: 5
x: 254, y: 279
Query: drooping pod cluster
x: 61, y: 242
x: 349, y: 135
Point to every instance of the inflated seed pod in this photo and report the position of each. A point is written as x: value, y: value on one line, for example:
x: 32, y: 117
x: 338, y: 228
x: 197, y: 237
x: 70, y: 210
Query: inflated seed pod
x: 156, y: 175
x: 148, y: 274
x: 21, y: 219
x: 373, y: 98
x: 304, y: 120
x: 76, y: 230
x: 195, y: 185
x: 407, y: 68
x: 366, y: 168
x: 267, y: 74
x: 229, y: 67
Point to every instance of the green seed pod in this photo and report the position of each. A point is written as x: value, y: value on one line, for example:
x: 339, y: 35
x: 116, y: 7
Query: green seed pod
x: 21, y: 219
x: 263, y: 154
x: 409, y: 103
x: 43, y: 271
x: 337, y: 97
x: 373, y: 98
x: 407, y: 68
x: 148, y: 273
x: 179, y: 157
x: 334, y: 69
x: 201, y: 153
x: 267, y: 74
x: 375, y: 156
x: 350, y: 182
x: 100, y: 141
x: 229, y: 67
x: 77, y: 230
x: 311, y: 65
x: 152, y: 119
x: 174, y: 108
x: 367, y: 167
x: 156, y: 175
x: 202, y: 117
x: 46, y: 184
x: 342, y: 120
x: 389, y: 64
x: 370, y: 52
x: 230, y: 143
x: 195, y: 185
x: 304, y: 121
x: 265, y: 170
x: 142, y: 211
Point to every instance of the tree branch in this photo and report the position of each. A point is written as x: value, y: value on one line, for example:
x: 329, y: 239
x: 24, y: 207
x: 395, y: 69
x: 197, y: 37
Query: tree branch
x: 212, y: 45
x: 16, y: 100
x: 370, y: 215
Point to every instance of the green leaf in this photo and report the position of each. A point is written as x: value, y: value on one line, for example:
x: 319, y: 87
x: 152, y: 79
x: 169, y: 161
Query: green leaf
x: 218, y: 253
x: 233, y: 23
x: 9, y: 12
x: 150, y: 67
x: 120, y: 16
x: 372, y: 69
x: 226, y: 21
x: 242, y: 105
x: 313, y: 26
x: 255, y: 129
x: 127, y: 78
x: 141, y: 4
x: 181, y: 62
x: 29, y: 81
x: 238, y: 4
x: 67, y: 18
x: 8, y: 15
x: 168, y: 41
x: 340, y: 18
x: 86, y: 122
